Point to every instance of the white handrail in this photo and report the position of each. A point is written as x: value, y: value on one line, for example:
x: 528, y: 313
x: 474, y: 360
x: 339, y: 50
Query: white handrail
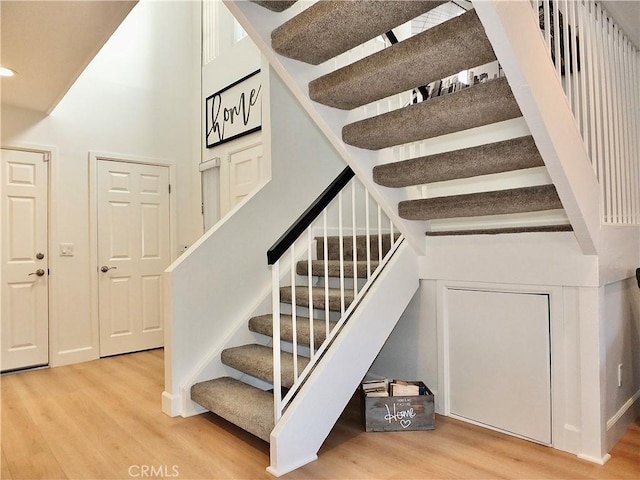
x: 347, y: 223
x: 599, y: 69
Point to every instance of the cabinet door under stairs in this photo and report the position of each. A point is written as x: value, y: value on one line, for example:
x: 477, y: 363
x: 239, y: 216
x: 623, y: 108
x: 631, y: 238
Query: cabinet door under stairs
x: 499, y: 369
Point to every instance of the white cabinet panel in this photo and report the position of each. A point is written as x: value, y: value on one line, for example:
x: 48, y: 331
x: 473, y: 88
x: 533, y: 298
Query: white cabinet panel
x: 499, y: 369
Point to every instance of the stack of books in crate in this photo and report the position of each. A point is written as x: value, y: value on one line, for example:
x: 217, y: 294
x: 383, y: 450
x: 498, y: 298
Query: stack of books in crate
x: 396, y: 405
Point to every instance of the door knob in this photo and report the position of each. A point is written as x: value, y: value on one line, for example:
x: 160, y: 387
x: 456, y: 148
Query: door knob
x: 39, y: 255
x: 39, y: 272
x: 105, y: 269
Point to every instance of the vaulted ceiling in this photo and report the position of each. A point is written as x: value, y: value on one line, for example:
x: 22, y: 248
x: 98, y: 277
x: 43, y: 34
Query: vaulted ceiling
x: 49, y: 44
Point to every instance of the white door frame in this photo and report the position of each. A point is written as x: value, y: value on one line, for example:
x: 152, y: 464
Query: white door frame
x: 52, y: 236
x: 93, y: 223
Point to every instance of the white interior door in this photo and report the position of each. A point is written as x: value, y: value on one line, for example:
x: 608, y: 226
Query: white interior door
x: 25, y: 273
x: 240, y: 175
x: 499, y: 361
x: 133, y: 251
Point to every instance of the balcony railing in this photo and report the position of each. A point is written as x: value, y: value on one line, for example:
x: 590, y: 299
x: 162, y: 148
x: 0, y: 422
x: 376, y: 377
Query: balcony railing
x: 599, y: 68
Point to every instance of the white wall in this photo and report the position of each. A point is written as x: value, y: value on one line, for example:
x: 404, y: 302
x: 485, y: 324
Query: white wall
x: 233, y: 61
x: 622, y: 340
x: 216, y: 285
x: 138, y: 97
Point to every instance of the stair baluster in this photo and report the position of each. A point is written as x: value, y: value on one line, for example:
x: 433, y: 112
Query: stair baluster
x: 333, y: 297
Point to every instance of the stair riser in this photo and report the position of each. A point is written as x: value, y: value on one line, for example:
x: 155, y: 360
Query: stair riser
x: 333, y: 247
x: 302, y: 298
x: 261, y: 367
x: 437, y: 53
x: 318, y: 314
x: 336, y: 270
x: 472, y: 107
x: 247, y: 407
x: 265, y: 327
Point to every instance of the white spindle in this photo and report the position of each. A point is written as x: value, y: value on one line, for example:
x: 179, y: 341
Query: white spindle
x: 354, y: 245
x: 310, y: 292
x: 568, y: 67
x: 585, y: 35
x: 368, y: 235
x: 556, y: 37
x: 627, y: 133
x: 635, y: 127
x: 326, y: 270
x: 615, y: 93
x: 547, y: 24
x: 277, y: 383
x: 294, y: 312
x: 341, y: 250
x: 379, y: 234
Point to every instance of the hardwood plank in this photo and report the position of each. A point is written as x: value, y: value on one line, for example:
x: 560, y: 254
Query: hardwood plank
x: 100, y: 419
x: 5, y: 473
x: 26, y: 450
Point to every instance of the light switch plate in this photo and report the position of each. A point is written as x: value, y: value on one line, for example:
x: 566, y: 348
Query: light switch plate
x: 66, y: 249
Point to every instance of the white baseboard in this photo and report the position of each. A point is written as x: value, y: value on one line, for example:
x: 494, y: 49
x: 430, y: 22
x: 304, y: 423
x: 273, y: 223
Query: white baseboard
x: 617, y: 425
x: 598, y: 460
x: 278, y: 472
x: 170, y: 404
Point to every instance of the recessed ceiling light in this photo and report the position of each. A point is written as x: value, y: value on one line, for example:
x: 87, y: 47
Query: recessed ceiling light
x: 6, y: 72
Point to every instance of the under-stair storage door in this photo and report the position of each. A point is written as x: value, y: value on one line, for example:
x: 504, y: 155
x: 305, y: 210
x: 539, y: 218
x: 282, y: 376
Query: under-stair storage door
x: 499, y: 369
x: 133, y: 251
x: 25, y: 273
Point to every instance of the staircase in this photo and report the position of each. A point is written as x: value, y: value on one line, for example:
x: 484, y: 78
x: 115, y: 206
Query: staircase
x: 314, y: 36
x: 328, y: 29
x: 250, y: 407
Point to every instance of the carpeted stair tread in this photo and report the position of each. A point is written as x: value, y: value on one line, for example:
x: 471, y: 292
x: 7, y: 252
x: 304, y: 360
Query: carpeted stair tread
x: 257, y: 361
x: 333, y: 246
x: 302, y: 297
x: 483, y: 104
x: 439, y: 52
x: 329, y: 28
x: 275, y: 5
x: 517, y: 200
x: 243, y: 405
x: 515, y: 154
x: 333, y: 268
x: 504, y: 230
x: 263, y: 324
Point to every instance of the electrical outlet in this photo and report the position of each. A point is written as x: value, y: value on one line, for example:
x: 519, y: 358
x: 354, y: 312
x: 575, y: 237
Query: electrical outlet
x: 620, y: 375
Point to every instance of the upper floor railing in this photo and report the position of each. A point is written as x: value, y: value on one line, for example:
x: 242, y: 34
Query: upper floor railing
x: 599, y: 68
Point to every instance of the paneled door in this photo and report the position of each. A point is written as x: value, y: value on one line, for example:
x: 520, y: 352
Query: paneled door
x: 25, y: 273
x: 133, y: 251
x: 240, y: 175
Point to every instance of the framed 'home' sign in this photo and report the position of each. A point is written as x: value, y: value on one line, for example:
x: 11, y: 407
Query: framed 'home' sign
x: 234, y: 111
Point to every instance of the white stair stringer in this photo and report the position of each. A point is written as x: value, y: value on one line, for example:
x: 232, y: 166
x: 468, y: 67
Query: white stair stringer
x: 259, y: 23
x: 306, y: 423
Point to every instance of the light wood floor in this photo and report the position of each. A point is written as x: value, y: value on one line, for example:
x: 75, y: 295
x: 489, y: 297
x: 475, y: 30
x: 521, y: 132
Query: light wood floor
x: 102, y: 419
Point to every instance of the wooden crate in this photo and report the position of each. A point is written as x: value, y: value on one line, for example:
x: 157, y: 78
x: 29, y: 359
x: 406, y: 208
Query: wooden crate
x: 397, y: 414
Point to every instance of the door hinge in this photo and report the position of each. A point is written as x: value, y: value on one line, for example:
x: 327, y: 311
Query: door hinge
x: 169, y: 189
x: 47, y: 156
